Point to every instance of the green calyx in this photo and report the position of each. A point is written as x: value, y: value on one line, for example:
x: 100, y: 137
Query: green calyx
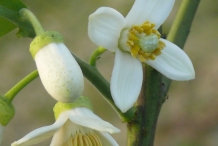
x: 81, y: 102
x: 7, y: 111
x: 44, y: 39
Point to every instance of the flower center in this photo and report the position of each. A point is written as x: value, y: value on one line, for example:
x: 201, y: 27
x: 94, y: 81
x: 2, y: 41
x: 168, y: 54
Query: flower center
x: 80, y: 139
x: 144, y: 42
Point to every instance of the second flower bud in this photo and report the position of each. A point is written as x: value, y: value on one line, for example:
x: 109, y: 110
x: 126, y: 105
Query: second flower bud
x: 59, y: 72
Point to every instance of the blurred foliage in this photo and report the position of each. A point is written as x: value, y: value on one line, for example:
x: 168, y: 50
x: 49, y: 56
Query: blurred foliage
x: 14, y: 5
x: 188, y: 117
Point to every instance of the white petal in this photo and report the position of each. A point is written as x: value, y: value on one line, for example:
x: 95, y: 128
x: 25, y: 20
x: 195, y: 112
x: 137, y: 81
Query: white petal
x: 126, y: 80
x: 106, y: 139
x: 85, y: 117
x: 1, y: 132
x: 59, y: 72
x: 155, y: 11
x: 41, y: 134
x: 105, y: 26
x: 173, y: 63
x: 64, y: 133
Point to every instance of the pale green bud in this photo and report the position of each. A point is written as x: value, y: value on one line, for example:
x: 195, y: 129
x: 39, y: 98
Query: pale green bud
x: 59, y: 72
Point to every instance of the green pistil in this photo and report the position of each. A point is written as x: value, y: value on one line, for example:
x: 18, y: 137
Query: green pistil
x: 149, y: 43
x: 81, y: 102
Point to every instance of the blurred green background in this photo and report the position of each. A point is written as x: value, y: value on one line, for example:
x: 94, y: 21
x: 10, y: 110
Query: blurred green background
x: 188, y: 117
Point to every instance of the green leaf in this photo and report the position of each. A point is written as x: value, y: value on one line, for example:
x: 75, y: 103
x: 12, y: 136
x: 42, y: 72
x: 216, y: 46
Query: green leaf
x: 5, y: 25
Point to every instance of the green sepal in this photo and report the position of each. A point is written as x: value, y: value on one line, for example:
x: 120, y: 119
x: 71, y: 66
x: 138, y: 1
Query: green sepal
x: 43, y: 40
x: 80, y: 102
x: 7, y: 111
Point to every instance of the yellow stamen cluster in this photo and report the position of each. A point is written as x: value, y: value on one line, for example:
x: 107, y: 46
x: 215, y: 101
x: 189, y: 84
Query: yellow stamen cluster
x: 147, y: 29
x: 80, y: 139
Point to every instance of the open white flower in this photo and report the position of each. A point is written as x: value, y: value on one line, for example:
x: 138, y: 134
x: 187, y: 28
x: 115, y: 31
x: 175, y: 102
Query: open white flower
x: 1, y: 132
x: 78, y: 126
x: 59, y: 72
x: 135, y: 40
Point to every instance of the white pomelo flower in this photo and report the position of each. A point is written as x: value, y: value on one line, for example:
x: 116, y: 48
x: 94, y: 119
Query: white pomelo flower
x: 135, y: 40
x: 76, y: 125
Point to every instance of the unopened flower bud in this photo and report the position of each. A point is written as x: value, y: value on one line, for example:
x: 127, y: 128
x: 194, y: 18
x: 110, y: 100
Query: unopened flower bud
x: 59, y: 72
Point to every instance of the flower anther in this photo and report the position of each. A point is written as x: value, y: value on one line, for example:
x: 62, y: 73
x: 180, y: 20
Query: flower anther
x: 144, y: 42
x: 84, y: 139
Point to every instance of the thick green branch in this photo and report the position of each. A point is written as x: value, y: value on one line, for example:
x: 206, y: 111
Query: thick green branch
x: 181, y: 27
x: 141, y: 130
x: 182, y: 23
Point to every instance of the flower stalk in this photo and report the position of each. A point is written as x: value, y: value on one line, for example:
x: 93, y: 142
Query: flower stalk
x: 141, y: 130
x: 95, y: 55
x: 28, y: 15
x: 20, y: 85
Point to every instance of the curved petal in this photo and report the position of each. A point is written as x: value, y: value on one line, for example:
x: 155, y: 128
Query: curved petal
x: 106, y: 139
x: 1, y: 132
x: 64, y: 133
x: 59, y: 72
x: 126, y: 80
x: 173, y: 63
x: 85, y: 117
x: 41, y: 134
x: 155, y: 11
x: 105, y: 26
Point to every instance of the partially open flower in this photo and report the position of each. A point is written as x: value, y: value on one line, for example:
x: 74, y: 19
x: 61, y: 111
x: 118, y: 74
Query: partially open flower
x: 135, y: 40
x: 76, y: 125
x: 58, y: 70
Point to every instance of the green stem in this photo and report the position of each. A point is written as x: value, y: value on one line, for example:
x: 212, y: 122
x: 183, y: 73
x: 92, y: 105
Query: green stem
x: 20, y: 85
x: 28, y: 15
x: 182, y: 23
x: 16, y: 20
x: 181, y: 27
x: 95, y: 55
x: 92, y: 74
x: 141, y: 130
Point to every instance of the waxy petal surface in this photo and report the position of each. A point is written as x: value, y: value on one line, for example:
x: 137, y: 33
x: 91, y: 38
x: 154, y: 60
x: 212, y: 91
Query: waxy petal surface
x: 64, y: 133
x: 155, y: 11
x: 41, y: 134
x: 105, y: 26
x: 173, y: 63
x: 85, y: 117
x: 126, y: 80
